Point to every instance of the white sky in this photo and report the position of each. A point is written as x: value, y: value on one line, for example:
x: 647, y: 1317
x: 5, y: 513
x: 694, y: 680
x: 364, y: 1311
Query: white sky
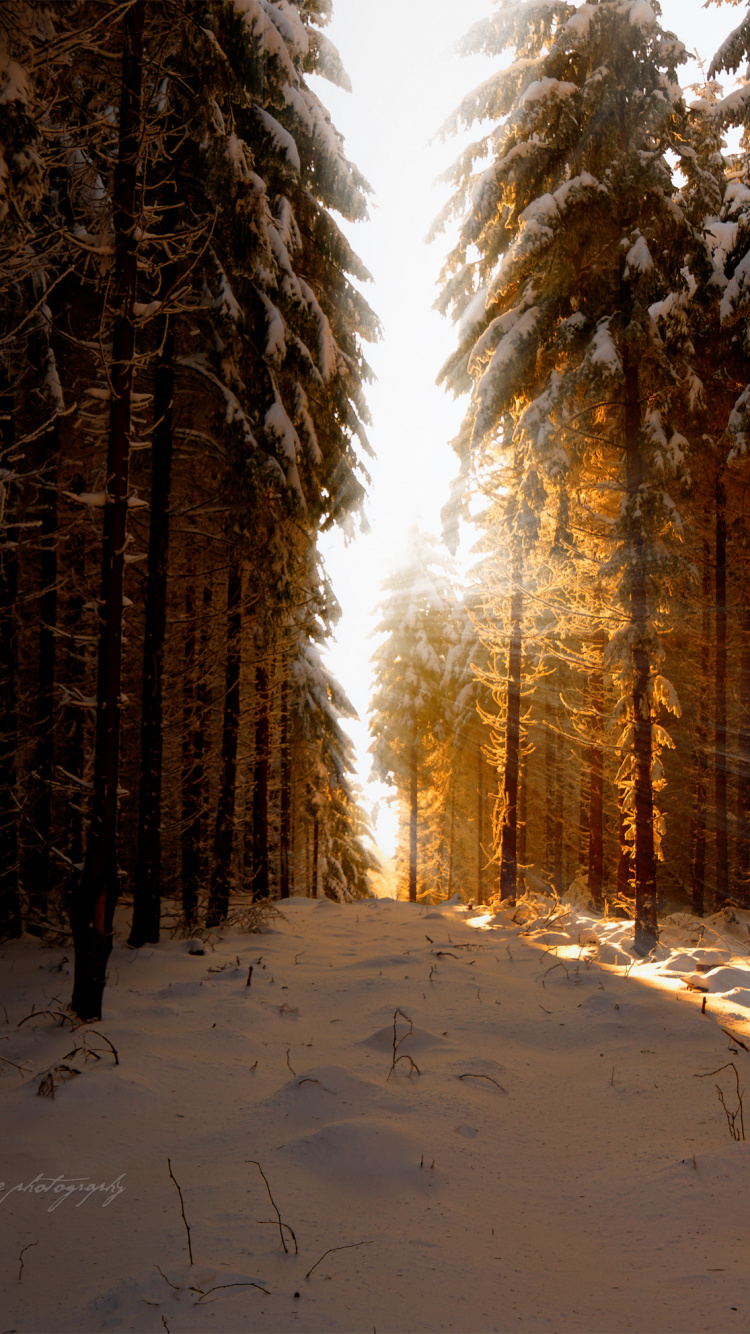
x: 406, y: 82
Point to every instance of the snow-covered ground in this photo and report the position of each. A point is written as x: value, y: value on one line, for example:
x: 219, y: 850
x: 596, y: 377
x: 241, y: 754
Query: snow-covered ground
x: 541, y: 1156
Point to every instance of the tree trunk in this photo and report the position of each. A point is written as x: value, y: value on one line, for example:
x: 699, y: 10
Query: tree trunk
x: 40, y: 815
x: 596, y: 773
x: 147, y: 888
x: 646, y: 934
x: 720, y: 752
x: 316, y: 836
x: 413, y: 818
x: 700, y: 744
x: 559, y: 805
x: 509, y: 835
x: 550, y: 784
x: 451, y: 836
x: 480, y: 805
x: 261, y: 885
x: 286, y: 786
x: 742, y: 873
x: 10, y: 900
x: 193, y: 752
x: 95, y: 901
x: 523, y: 806
x: 221, y: 876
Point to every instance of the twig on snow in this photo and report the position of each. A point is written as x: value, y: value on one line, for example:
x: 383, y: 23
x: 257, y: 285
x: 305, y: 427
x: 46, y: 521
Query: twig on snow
x: 469, y: 1075
x: 182, y: 1211
x: 350, y: 1247
x: 21, y: 1254
x: 281, y: 1224
x: 736, y: 1131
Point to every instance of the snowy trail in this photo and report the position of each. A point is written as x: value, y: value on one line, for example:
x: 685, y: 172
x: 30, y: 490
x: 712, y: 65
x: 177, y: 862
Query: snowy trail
x: 583, y: 1178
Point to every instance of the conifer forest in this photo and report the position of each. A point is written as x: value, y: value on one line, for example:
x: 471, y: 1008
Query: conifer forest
x: 374, y: 874
x: 183, y: 400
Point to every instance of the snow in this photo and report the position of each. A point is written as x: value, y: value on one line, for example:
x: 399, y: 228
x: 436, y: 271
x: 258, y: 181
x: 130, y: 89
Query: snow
x: 536, y: 1153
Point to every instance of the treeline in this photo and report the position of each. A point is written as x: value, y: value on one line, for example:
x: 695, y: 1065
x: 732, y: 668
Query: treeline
x: 182, y: 410
x: 600, y: 287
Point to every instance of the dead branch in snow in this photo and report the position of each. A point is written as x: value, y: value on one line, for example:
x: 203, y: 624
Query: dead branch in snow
x: 293, y: 1072
x: 397, y: 1043
x: 92, y: 1052
x: 559, y: 964
x: 737, y: 1131
x: 469, y: 1075
x: 352, y: 1245
x: 281, y: 1223
x: 21, y: 1255
x: 246, y: 1284
x: 182, y: 1210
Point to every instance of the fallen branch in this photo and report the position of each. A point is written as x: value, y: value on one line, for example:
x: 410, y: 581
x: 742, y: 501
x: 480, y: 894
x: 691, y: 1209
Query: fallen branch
x: 281, y: 1224
x: 293, y: 1072
x: 559, y: 964
x: 182, y: 1210
x: 21, y: 1255
x: 728, y: 1032
x: 350, y: 1247
x: 469, y: 1075
x: 219, y: 1286
x: 59, y: 1015
x: 736, y: 1131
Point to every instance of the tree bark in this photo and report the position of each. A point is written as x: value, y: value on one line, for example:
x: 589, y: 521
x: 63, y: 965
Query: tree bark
x: 509, y: 834
x: 720, y: 750
x: 147, y: 888
x: 700, y: 744
x: 523, y: 806
x: 96, y: 898
x: 221, y: 875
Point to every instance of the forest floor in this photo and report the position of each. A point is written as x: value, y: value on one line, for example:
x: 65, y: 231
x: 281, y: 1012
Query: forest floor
x: 544, y: 1149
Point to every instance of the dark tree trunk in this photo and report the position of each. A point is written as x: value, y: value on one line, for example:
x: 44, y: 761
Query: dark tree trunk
x: 523, y: 806
x: 74, y: 718
x: 480, y: 822
x: 221, y: 875
x: 147, y: 888
x: 316, y: 837
x: 742, y: 875
x: 95, y: 901
x: 451, y: 836
x: 261, y: 885
x: 624, y: 860
x: 700, y: 744
x: 286, y: 794
x: 646, y: 933
x: 550, y: 784
x: 413, y: 818
x: 720, y: 752
x: 559, y: 805
x: 10, y: 900
x: 195, y: 714
x: 509, y: 834
x: 37, y: 868
x: 596, y: 774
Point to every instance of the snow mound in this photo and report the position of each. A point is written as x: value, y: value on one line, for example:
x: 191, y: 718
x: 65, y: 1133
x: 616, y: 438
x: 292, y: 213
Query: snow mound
x: 365, y: 1150
x: 419, y: 1039
x: 323, y: 1092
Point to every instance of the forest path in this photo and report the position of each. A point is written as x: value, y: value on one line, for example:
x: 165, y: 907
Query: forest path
x: 554, y: 1164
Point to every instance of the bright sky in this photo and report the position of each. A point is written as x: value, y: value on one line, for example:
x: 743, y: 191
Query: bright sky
x: 406, y: 82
